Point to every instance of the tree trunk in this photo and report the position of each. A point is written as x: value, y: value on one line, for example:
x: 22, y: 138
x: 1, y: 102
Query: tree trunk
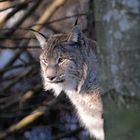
x: 118, y: 35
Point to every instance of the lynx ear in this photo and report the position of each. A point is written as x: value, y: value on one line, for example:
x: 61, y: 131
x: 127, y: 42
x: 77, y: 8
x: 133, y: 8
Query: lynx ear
x: 75, y: 35
x: 41, y: 39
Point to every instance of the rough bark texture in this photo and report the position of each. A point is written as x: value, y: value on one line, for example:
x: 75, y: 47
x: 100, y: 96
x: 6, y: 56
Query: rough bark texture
x: 118, y: 34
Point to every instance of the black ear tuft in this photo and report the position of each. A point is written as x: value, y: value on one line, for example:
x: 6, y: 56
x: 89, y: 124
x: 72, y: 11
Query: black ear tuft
x: 76, y: 22
x: 75, y: 35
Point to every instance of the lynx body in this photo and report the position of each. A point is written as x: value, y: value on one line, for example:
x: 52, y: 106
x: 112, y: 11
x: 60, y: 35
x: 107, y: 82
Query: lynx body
x: 68, y: 63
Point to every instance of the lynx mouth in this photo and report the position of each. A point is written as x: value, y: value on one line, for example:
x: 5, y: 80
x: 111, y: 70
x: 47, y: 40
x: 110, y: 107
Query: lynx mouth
x: 57, y: 81
x: 61, y: 81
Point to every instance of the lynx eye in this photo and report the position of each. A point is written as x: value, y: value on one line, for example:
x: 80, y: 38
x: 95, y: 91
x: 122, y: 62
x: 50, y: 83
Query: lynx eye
x: 44, y: 61
x: 60, y: 60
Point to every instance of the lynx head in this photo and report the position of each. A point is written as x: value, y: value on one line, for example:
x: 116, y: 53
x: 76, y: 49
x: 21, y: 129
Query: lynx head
x: 62, y: 63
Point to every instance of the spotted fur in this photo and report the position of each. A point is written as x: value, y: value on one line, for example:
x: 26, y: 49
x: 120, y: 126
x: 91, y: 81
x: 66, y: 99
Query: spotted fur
x: 68, y: 63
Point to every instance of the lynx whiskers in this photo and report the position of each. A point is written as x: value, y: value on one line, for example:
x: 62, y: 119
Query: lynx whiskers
x: 68, y: 63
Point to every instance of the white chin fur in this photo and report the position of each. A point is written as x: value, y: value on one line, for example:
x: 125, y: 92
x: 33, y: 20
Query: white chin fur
x: 58, y: 87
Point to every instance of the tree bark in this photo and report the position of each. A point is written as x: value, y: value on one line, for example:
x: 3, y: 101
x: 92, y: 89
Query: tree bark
x: 118, y: 35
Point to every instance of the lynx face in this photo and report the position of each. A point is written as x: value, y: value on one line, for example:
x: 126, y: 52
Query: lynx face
x: 62, y: 65
x: 61, y: 62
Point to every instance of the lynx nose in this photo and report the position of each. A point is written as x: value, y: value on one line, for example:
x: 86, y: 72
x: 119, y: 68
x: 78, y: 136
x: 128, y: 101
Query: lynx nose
x: 51, y: 78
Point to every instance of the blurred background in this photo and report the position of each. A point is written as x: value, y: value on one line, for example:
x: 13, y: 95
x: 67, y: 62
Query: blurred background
x: 27, y: 112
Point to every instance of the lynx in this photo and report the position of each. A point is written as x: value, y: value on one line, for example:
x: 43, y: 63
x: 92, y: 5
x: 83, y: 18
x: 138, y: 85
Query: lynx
x: 68, y: 63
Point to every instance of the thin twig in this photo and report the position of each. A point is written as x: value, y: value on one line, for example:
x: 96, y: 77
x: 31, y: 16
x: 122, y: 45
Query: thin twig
x: 36, y: 114
x: 48, y: 13
x: 17, y: 4
x: 18, y: 66
x: 22, y: 19
x: 18, y: 78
